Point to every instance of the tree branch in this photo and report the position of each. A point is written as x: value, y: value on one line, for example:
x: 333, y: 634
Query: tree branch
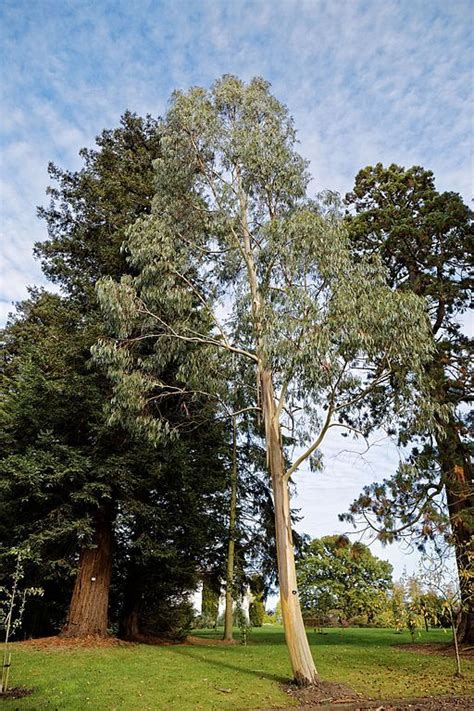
x: 313, y: 447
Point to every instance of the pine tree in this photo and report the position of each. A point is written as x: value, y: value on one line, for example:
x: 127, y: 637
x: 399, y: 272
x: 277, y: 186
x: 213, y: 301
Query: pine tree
x: 425, y: 239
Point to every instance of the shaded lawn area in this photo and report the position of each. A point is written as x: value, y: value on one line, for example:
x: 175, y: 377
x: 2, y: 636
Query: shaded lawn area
x: 141, y: 677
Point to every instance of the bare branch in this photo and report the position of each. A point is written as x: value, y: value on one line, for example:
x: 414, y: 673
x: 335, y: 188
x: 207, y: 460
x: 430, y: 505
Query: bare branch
x: 313, y: 447
x: 197, y: 338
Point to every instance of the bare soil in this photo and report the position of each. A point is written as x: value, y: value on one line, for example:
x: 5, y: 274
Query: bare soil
x: 16, y: 692
x: 325, y: 692
x: 466, y: 651
x: 329, y: 696
x: 95, y: 641
x: 60, y: 642
x: 204, y: 642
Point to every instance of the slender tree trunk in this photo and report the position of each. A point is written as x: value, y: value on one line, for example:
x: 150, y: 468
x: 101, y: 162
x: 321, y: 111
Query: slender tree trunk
x: 129, y: 625
x: 458, y: 481
x: 304, y: 670
x: 89, y: 602
x: 229, y: 613
x: 302, y: 663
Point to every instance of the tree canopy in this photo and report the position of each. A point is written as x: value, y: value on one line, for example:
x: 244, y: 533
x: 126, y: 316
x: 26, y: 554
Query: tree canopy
x: 236, y: 263
x: 335, y: 575
x: 425, y: 239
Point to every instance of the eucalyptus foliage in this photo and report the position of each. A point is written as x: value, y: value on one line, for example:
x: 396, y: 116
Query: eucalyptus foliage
x: 237, y: 267
x: 330, y: 329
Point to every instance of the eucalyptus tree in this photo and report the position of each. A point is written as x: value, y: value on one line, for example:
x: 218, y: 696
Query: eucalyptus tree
x: 425, y: 239
x: 234, y: 243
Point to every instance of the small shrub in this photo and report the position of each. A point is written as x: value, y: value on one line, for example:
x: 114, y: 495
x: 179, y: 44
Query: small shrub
x: 256, y: 613
x: 172, y: 619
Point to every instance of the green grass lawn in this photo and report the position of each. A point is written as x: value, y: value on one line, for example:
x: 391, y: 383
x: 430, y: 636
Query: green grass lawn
x: 203, y: 677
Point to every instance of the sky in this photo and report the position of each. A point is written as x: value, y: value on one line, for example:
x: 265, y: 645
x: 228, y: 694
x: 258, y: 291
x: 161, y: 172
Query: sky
x: 366, y: 81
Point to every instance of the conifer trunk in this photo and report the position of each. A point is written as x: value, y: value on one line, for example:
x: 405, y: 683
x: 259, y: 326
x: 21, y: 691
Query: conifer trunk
x: 229, y: 613
x: 129, y: 625
x: 458, y: 482
x: 88, y: 610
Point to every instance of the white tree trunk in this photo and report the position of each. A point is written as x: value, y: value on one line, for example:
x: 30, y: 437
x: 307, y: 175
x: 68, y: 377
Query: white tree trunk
x: 302, y: 663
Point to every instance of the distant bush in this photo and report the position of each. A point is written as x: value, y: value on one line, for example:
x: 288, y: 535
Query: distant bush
x: 256, y: 613
x: 172, y: 619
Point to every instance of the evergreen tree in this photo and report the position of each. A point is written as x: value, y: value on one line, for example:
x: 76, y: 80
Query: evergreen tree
x: 150, y: 514
x: 336, y: 575
x: 77, y: 474
x: 425, y: 239
x: 91, y: 208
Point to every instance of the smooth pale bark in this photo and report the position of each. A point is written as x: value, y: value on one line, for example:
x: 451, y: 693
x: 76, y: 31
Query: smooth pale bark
x: 304, y: 670
x: 229, y: 603
x: 302, y: 663
x: 88, y: 610
x: 458, y: 481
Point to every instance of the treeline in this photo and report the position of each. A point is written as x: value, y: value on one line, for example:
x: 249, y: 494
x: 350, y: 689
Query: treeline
x: 344, y: 584
x: 213, y: 323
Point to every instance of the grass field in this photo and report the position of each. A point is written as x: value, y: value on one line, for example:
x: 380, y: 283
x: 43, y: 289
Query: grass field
x: 141, y: 677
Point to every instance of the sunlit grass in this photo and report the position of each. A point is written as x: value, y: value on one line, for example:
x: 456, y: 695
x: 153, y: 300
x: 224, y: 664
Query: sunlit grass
x: 205, y: 677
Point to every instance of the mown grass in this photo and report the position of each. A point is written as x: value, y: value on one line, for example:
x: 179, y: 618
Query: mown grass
x: 144, y: 677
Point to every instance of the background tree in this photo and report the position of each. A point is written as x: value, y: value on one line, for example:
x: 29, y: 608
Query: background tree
x: 425, y: 239
x: 86, y: 220
x: 77, y: 477
x: 337, y: 575
x: 232, y: 232
x: 257, y: 604
x: 91, y: 208
x: 61, y: 466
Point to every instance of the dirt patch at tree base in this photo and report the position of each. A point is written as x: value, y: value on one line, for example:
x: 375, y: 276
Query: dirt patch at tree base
x: 65, y: 642
x: 330, y: 696
x: 466, y: 651
x: 16, y: 692
x: 450, y: 703
x: 324, y: 692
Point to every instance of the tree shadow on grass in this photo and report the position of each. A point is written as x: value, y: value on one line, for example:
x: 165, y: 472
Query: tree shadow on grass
x: 260, y: 638
x: 196, y: 656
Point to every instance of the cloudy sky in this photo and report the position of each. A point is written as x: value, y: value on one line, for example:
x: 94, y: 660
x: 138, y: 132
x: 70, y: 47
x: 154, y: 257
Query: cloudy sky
x: 366, y: 81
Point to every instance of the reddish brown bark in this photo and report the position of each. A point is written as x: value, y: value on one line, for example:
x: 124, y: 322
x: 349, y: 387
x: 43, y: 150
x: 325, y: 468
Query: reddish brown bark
x: 130, y: 627
x: 88, y: 610
x: 458, y: 481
